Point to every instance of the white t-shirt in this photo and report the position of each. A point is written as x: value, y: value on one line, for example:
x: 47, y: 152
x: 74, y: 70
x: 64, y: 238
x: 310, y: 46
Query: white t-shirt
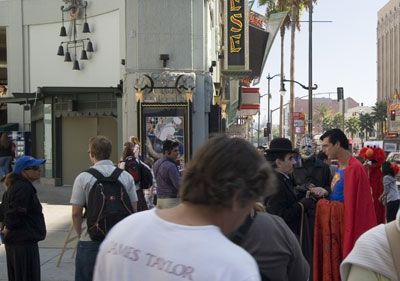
x: 145, y: 247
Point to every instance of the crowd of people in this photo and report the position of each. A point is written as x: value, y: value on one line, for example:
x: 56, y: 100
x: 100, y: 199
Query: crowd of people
x: 235, y: 213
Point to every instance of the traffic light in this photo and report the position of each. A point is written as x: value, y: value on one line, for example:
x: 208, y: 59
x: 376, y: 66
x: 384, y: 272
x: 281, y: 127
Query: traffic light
x: 339, y: 93
x: 393, y: 115
x: 267, y: 131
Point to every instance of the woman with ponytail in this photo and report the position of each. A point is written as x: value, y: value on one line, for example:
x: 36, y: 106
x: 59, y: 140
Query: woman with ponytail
x: 390, y: 194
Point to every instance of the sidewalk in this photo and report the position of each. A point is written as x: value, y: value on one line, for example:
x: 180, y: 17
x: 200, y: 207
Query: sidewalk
x: 57, y: 212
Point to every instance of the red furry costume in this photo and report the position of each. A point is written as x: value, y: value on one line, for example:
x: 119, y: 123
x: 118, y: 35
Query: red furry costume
x: 377, y: 156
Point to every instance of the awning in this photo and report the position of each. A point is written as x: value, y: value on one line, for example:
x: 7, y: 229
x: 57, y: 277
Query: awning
x: 258, y: 39
x: 9, y: 127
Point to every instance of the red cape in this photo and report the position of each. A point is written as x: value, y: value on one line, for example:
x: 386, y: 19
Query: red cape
x: 359, y: 211
x: 376, y: 180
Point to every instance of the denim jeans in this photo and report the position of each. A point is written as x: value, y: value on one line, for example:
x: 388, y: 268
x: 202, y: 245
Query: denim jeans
x: 85, y: 260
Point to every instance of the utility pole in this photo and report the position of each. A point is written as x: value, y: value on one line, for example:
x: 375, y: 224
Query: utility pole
x: 269, y: 125
x: 310, y: 77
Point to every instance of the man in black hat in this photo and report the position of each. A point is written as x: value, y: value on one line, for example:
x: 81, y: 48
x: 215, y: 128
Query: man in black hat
x: 286, y: 203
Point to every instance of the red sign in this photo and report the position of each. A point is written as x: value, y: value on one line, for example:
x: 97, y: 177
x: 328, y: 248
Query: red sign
x: 250, y: 98
x: 298, y: 122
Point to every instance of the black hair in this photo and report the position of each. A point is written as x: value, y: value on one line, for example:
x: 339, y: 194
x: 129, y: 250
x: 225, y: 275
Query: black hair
x: 387, y: 169
x: 336, y: 135
x: 169, y: 145
x: 322, y: 156
x: 273, y: 156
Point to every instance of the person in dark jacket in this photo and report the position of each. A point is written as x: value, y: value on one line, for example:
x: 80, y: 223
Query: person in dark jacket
x: 6, y: 154
x: 23, y: 221
x: 286, y: 202
x: 311, y: 177
x: 273, y: 245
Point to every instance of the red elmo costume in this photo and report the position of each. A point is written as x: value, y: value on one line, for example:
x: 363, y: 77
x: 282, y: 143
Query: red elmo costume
x: 377, y: 156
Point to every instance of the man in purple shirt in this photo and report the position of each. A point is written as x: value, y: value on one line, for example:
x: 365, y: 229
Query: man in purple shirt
x: 167, y: 176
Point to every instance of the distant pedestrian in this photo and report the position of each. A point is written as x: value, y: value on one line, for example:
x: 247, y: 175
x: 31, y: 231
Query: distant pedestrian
x: 188, y: 242
x: 390, y: 196
x: 167, y: 176
x: 140, y: 172
x: 6, y: 154
x: 84, y: 189
x: 23, y: 220
x: 261, y: 150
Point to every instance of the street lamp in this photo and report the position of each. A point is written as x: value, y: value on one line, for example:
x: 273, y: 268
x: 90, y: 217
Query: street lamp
x: 309, y: 121
x: 269, y: 125
x: 282, y: 93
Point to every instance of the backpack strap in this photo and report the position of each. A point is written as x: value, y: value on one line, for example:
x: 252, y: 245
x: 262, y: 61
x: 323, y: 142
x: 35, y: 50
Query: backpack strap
x: 99, y: 176
x: 393, y: 236
x: 115, y: 174
x: 94, y: 172
x: 240, y: 234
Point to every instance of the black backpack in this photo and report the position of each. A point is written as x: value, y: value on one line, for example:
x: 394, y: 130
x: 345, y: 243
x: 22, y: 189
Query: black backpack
x: 146, y: 177
x: 140, y: 173
x: 108, y: 203
x: 132, y: 166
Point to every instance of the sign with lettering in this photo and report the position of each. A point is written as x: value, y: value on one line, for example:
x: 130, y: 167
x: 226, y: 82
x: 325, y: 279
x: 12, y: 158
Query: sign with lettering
x: 298, y: 122
x: 236, y: 39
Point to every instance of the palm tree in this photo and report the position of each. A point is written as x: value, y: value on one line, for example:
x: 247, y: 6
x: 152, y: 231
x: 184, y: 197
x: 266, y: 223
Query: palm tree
x: 379, y: 113
x: 337, y: 120
x: 274, y: 6
x: 326, y: 123
x: 320, y: 117
x: 366, y: 124
x: 295, y: 7
x: 352, y: 126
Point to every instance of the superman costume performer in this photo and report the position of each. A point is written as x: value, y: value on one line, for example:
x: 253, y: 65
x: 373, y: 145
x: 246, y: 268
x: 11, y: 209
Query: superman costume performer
x: 341, y: 220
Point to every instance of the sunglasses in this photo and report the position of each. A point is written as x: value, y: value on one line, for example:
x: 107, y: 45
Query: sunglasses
x: 35, y: 168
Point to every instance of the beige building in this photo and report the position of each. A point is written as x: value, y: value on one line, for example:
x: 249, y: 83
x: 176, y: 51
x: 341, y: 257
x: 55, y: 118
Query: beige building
x: 388, y: 47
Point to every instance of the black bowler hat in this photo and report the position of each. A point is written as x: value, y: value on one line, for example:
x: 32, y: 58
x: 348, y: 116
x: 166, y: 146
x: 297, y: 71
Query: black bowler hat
x: 280, y: 145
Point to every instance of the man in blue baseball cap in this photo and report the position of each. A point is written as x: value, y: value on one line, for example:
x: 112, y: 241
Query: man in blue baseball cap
x: 23, y: 220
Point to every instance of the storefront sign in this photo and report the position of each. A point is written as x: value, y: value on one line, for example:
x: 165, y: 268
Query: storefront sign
x: 236, y: 43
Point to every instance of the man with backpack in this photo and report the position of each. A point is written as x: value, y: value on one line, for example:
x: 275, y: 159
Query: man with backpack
x: 167, y: 176
x: 108, y: 195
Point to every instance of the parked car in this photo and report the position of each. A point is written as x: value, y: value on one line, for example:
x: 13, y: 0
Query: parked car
x: 395, y: 157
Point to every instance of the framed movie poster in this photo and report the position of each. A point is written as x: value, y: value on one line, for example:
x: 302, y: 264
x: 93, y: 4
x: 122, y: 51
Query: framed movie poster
x: 166, y: 121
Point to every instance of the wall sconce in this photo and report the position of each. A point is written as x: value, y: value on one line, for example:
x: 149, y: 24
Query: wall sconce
x: 139, y: 95
x: 211, y: 68
x: 189, y: 96
x: 216, y: 100
x: 164, y: 58
x: 74, y: 43
x: 224, y: 115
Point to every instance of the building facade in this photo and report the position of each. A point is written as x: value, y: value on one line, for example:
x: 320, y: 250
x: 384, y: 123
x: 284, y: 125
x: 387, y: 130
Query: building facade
x: 388, y: 69
x: 148, y: 57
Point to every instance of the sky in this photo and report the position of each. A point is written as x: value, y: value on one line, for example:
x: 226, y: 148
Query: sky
x: 344, y: 53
